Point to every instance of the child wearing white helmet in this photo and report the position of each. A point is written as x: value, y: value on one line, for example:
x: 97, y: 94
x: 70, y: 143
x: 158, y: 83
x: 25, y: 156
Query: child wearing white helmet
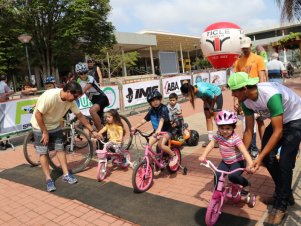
x: 233, y: 151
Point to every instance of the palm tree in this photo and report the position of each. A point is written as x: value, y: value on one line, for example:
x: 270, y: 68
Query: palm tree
x: 290, y: 9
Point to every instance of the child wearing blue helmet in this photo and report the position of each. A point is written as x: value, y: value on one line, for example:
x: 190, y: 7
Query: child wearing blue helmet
x: 159, y: 117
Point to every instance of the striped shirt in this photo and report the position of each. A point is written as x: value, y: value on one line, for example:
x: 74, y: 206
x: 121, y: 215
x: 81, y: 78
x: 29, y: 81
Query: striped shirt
x: 228, y: 148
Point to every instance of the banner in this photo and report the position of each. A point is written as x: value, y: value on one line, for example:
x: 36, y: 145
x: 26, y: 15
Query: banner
x: 112, y: 93
x: 173, y: 84
x: 136, y: 93
x: 200, y: 77
x: 15, y: 116
x: 218, y: 78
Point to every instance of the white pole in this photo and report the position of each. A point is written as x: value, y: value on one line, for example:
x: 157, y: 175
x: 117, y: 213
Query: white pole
x: 284, y: 53
x: 152, y: 60
x: 123, y: 63
x: 181, y: 52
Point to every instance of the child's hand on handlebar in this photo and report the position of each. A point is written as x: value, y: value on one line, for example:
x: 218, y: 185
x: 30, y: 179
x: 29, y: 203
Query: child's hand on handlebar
x: 133, y: 130
x: 250, y: 169
x: 202, y: 158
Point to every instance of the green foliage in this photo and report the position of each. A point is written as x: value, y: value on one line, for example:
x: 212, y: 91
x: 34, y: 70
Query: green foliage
x: 116, y: 59
x: 290, y: 41
x: 62, y: 30
x: 202, y: 63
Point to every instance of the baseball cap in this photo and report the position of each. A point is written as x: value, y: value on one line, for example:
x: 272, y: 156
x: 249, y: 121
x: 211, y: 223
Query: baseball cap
x: 241, y: 79
x: 245, y: 42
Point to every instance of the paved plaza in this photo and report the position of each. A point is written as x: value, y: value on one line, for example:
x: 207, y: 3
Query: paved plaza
x: 26, y: 205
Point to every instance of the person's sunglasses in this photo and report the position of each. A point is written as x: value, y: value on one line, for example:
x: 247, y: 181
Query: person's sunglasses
x: 82, y: 73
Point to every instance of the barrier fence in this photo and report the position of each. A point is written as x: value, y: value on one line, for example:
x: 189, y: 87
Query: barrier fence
x: 126, y: 95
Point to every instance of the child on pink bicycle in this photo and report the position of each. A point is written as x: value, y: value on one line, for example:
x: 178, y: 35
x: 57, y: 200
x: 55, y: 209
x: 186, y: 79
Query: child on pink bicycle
x: 159, y: 117
x: 233, y: 151
x: 115, y: 131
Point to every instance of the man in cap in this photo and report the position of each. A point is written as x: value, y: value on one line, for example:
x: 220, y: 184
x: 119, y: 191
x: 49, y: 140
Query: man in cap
x: 254, y: 66
x: 276, y: 69
x: 283, y: 107
x: 249, y: 62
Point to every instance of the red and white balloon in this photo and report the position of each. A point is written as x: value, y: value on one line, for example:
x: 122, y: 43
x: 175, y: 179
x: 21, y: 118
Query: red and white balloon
x: 220, y: 44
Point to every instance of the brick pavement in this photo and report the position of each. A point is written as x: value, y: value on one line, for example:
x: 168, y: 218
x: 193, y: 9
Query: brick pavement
x: 24, y: 205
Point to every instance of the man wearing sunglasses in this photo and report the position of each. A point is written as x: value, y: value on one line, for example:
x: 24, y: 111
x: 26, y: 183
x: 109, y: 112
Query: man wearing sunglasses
x: 93, y: 91
x: 51, y: 106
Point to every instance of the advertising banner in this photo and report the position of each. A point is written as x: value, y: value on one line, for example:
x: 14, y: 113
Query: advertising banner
x: 218, y: 77
x: 112, y: 93
x: 15, y: 115
x: 200, y: 77
x: 136, y: 93
x: 173, y: 84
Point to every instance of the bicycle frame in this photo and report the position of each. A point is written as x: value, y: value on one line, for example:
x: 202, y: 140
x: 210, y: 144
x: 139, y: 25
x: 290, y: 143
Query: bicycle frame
x: 150, y: 155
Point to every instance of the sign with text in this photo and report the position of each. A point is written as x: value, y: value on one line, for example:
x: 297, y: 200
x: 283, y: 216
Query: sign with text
x: 136, y: 93
x: 173, y: 84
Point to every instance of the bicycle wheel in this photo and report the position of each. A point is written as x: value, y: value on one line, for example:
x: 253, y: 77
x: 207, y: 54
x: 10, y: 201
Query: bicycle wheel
x: 29, y: 150
x: 213, y: 210
x: 128, y: 137
x: 101, y: 171
x: 77, y: 158
x: 176, y: 167
x: 80, y: 126
x: 142, y: 178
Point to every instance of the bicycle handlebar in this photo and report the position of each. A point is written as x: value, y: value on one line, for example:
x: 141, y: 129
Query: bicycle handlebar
x: 210, y: 165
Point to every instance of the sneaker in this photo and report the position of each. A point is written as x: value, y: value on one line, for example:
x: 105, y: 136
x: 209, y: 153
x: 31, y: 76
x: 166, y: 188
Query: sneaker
x: 2, y: 146
x: 173, y: 161
x: 50, y: 185
x: 278, y: 217
x: 69, y: 178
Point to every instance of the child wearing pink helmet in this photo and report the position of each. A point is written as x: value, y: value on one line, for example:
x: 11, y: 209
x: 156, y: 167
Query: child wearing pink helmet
x: 233, y: 151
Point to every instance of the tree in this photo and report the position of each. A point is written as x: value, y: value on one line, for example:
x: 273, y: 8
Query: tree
x: 116, y: 60
x: 290, y: 9
x: 63, y: 30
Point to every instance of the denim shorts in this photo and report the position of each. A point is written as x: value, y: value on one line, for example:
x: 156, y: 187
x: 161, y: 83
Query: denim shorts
x: 56, y: 141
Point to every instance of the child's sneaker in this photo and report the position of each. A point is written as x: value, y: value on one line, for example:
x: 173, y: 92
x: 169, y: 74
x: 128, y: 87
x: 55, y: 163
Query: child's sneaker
x: 50, y: 185
x: 173, y: 161
x: 69, y: 178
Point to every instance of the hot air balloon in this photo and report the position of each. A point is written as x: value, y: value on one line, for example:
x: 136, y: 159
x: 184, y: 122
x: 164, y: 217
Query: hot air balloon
x: 220, y: 43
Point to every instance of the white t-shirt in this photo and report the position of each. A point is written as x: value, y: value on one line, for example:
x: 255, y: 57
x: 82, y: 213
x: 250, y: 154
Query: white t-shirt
x: 173, y: 111
x: 4, y: 88
x: 274, y: 99
x: 275, y: 67
x: 53, y: 109
x: 94, y: 90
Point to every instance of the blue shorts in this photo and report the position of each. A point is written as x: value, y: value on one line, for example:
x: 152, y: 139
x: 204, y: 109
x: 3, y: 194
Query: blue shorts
x: 56, y: 141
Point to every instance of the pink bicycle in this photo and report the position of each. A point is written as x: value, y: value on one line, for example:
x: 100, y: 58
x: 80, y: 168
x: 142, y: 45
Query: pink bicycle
x: 121, y: 159
x: 143, y: 173
x: 223, y: 193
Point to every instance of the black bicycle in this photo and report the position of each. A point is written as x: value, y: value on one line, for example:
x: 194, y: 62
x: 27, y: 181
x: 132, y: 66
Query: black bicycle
x: 78, y: 145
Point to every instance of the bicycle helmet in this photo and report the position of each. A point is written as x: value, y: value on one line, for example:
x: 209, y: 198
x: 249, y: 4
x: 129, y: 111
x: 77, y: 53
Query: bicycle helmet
x: 49, y: 79
x: 225, y: 118
x: 81, y: 67
x: 153, y: 95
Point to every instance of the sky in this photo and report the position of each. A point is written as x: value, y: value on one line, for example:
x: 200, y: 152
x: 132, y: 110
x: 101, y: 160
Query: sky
x: 191, y: 17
